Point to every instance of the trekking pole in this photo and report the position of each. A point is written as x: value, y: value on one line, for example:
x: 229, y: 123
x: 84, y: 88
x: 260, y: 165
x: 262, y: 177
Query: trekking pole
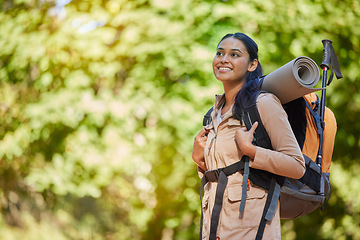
x: 329, y: 57
x: 325, y: 67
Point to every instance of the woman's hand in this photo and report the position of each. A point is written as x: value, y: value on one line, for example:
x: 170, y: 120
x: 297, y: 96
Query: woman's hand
x: 198, y: 149
x: 244, y: 140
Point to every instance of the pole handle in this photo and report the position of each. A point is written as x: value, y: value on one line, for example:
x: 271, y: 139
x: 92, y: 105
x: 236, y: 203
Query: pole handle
x: 326, y: 54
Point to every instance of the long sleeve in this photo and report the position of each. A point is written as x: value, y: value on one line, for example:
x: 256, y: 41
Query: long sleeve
x: 286, y: 159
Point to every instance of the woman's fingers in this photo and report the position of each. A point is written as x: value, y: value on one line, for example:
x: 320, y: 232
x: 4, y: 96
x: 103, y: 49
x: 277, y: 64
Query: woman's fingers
x: 202, y: 135
x: 244, y: 139
x: 204, y: 132
x: 198, y: 148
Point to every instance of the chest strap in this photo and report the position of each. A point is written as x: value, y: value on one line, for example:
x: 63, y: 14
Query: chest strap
x: 221, y: 177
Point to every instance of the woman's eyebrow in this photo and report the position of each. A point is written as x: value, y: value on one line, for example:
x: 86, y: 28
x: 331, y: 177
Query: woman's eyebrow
x: 234, y: 49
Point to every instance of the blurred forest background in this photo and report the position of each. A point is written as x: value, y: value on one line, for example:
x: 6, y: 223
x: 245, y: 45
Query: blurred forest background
x: 100, y: 101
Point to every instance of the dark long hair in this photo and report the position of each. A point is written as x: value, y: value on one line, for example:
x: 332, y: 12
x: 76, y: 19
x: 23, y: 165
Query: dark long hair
x: 252, y: 82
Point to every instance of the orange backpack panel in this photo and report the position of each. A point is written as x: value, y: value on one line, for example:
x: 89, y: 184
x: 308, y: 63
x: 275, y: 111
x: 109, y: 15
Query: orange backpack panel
x: 311, y: 144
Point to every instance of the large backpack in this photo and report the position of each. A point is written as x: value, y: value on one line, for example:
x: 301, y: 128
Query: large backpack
x: 298, y: 197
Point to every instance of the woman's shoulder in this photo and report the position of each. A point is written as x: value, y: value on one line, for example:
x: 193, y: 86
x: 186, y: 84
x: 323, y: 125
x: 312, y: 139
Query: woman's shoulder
x: 269, y: 107
x: 267, y: 99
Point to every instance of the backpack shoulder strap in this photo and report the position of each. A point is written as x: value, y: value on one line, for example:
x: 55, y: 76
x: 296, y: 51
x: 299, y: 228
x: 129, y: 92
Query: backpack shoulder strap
x: 250, y: 116
x: 207, y: 117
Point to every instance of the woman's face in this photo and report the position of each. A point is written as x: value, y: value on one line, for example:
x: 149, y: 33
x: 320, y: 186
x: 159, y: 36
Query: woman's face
x: 232, y: 61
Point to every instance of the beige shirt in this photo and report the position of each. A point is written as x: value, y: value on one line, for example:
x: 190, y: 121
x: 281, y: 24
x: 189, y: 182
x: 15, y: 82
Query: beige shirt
x: 221, y: 150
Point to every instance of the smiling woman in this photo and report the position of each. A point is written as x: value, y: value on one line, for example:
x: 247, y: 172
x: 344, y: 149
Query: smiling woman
x: 231, y: 65
x: 221, y: 145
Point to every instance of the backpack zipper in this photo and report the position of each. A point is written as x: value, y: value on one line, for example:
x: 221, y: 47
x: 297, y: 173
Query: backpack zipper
x: 211, y: 143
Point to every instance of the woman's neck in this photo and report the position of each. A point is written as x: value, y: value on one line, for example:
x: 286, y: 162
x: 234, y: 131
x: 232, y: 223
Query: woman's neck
x: 231, y: 91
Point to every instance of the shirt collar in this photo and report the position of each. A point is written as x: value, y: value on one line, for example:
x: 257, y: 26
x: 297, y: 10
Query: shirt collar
x: 220, y: 100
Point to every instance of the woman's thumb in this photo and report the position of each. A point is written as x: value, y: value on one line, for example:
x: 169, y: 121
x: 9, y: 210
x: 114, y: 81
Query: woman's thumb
x: 253, y: 127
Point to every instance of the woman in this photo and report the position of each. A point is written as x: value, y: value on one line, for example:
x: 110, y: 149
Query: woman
x: 225, y: 141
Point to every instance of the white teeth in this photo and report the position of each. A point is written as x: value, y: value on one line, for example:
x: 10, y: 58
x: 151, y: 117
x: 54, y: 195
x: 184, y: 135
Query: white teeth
x: 224, y: 68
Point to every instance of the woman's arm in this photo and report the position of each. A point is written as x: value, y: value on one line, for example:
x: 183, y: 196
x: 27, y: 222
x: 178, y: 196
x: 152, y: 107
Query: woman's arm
x: 286, y: 159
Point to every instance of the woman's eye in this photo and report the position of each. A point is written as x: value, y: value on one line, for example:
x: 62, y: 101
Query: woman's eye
x: 219, y: 54
x: 235, y: 55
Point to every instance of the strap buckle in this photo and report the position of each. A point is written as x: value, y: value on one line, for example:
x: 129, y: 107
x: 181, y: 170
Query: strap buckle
x: 213, y: 175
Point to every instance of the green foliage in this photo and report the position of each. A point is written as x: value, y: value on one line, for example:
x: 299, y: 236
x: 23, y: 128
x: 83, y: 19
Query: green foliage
x: 100, y: 101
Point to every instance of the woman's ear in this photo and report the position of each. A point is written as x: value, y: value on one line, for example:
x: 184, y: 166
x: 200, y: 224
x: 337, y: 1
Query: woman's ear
x: 253, y: 65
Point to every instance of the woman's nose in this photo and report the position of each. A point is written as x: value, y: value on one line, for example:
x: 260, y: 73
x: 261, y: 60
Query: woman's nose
x: 224, y: 59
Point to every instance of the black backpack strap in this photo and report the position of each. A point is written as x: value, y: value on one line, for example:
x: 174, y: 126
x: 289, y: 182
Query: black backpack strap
x: 207, y: 117
x: 220, y: 189
x: 244, y: 184
x: 320, y: 129
x: 251, y: 115
x: 269, y: 209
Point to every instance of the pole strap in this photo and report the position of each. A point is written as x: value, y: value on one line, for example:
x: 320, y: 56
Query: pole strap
x: 335, y: 67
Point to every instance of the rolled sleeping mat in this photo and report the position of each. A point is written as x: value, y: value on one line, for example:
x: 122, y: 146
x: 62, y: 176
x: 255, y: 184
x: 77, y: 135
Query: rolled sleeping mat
x: 293, y: 80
